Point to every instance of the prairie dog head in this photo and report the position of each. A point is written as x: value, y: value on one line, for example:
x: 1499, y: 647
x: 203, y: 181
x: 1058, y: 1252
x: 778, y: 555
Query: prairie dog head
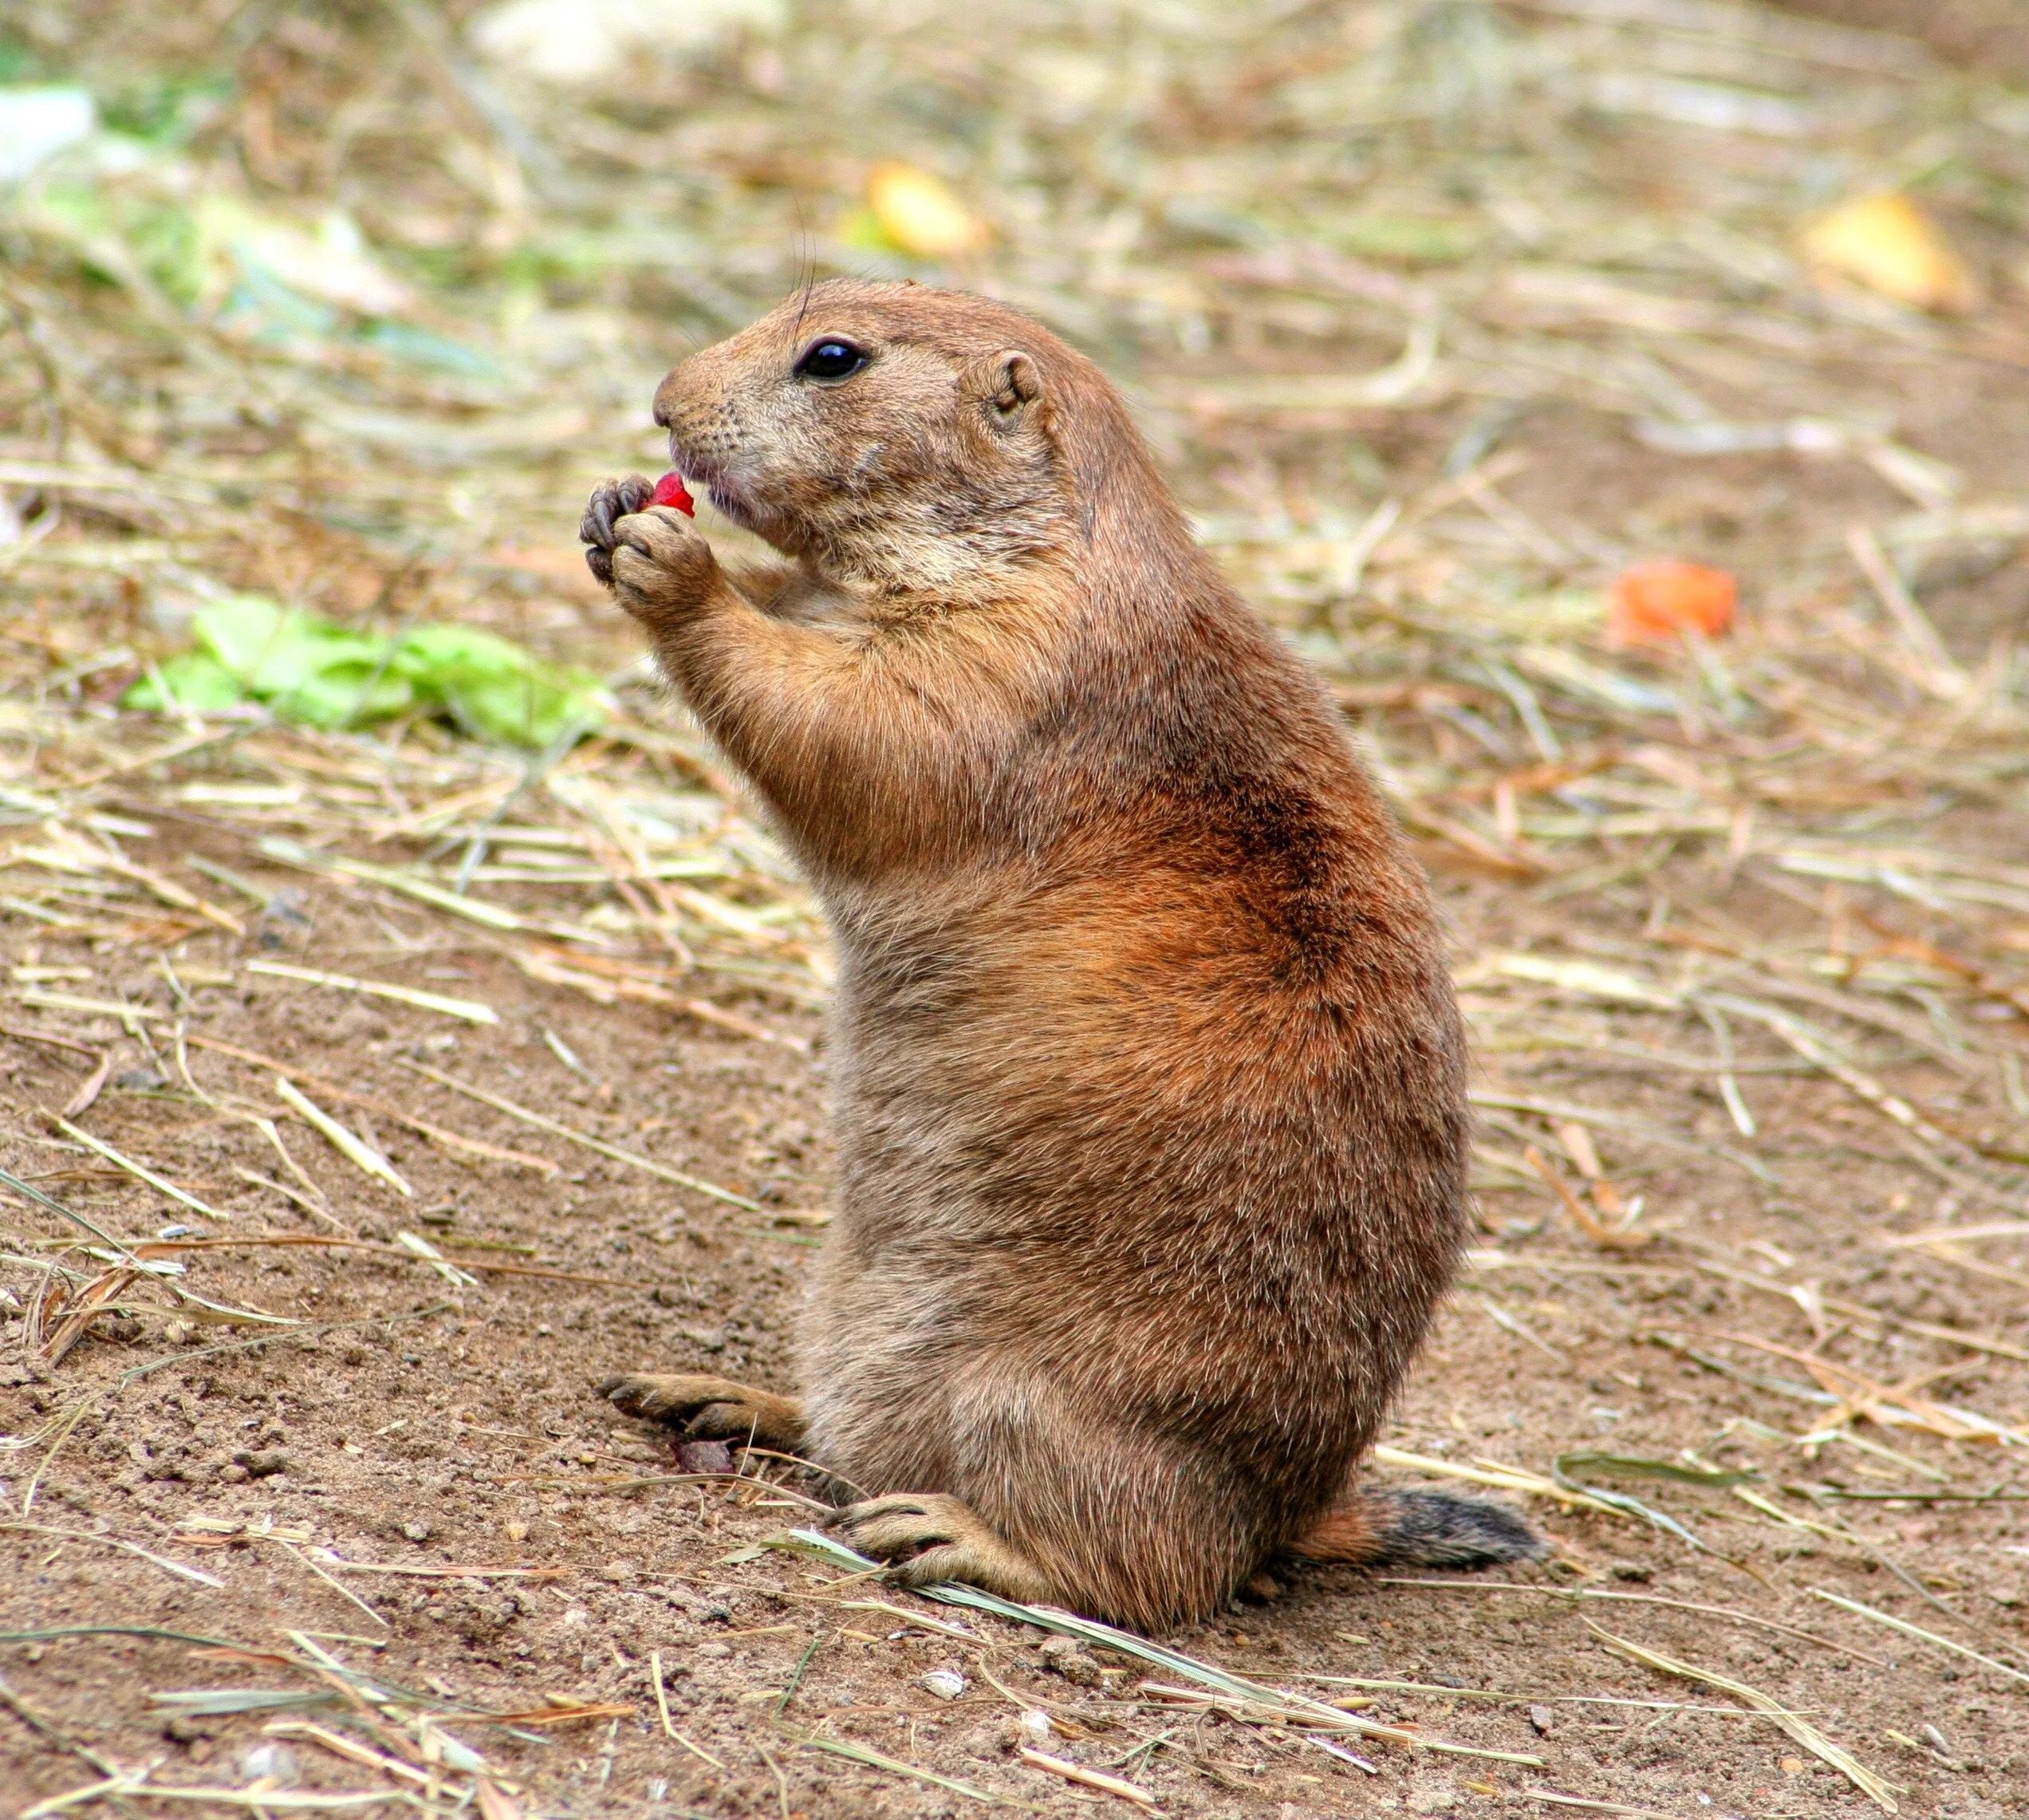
x: 891, y: 436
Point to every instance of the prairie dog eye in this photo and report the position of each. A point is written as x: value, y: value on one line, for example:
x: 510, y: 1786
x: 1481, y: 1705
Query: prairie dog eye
x: 830, y: 359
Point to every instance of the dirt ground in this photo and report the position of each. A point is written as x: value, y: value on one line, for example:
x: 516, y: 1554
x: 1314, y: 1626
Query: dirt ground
x: 526, y: 1544
x: 405, y: 1519
x: 446, y: 1433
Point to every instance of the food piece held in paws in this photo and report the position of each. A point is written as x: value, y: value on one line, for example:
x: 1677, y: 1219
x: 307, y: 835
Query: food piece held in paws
x: 670, y: 491
x: 657, y: 563
x: 1150, y: 1086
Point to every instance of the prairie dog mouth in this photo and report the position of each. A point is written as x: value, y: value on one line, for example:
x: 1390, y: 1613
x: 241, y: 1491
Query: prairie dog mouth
x: 725, y: 497
x: 732, y: 502
x: 702, y: 477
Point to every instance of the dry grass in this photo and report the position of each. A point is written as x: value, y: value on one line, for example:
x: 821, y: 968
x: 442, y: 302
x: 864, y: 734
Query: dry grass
x: 1442, y: 313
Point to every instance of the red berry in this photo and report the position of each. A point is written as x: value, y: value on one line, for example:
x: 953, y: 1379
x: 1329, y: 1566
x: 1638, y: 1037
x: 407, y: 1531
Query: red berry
x: 670, y: 491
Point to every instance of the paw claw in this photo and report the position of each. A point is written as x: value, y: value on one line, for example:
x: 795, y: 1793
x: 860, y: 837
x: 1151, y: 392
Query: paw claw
x: 630, y: 1394
x: 720, y: 1422
x: 899, y: 1528
x: 663, y: 568
x: 610, y: 502
x: 923, y: 1540
x: 706, y: 1409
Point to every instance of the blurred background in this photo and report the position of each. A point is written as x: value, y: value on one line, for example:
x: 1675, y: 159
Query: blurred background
x: 347, y: 304
x: 1624, y: 404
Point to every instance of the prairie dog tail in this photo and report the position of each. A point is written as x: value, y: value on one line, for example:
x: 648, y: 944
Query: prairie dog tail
x: 1419, y: 1529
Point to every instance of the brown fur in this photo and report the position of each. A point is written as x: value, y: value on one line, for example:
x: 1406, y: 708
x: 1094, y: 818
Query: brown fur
x: 1150, y: 1086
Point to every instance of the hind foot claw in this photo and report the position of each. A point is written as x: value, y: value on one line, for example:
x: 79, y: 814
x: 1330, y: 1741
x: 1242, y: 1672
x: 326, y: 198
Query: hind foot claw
x: 709, y: 1408
x: 928, y: 1539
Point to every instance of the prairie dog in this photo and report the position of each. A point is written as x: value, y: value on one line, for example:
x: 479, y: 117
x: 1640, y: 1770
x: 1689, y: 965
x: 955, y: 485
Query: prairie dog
x: 1150, y: 1086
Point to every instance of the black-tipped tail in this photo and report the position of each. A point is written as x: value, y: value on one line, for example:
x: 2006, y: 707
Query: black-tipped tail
x: 1433, y: 1529
x: 1396, y: 1528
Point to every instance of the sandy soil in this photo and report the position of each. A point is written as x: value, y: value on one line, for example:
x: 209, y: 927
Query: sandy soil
x: 445, y: 1434
x: 420, y: 1482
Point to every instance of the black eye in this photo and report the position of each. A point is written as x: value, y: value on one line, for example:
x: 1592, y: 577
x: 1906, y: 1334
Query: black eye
x: 831, y: 359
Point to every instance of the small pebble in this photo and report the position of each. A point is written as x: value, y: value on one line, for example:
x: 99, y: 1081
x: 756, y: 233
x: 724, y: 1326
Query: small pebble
x: 1065, y: 1655
x: 1035, y: 1726
x: 704, y: 1456
x: 946, y: 1684
x: 1542, y: 1719
x: 273, y: 1763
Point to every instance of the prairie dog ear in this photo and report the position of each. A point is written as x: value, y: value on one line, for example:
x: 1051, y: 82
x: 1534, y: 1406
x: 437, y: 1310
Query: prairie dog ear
x: 1011, y: 385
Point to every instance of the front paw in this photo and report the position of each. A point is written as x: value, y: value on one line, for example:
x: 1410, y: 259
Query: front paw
x: 662, y: 569
x: 611, y: 502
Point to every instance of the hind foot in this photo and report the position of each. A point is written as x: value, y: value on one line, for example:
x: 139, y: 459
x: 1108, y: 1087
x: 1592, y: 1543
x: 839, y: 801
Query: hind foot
x: 709, y: 1408
x: 929, y: 1539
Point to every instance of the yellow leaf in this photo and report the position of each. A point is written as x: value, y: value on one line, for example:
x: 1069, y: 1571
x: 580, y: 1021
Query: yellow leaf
x: 1887, y: 243
x: 920, y: 214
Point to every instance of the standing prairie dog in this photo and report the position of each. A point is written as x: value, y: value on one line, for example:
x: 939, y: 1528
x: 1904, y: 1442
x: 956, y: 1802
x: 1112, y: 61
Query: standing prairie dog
x: 1151, y: 1089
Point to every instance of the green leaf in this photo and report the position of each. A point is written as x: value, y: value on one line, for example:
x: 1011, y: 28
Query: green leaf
x: 862, y: 229
x: 494, y: 689
x: 422, y: 347
x: 310, y: 670
x: 343, y: 693
x: 1629, y: 1465
x: 164, y: 238
x: 165, y: 111
x: 1299, y: 1710
x: 199, y: 683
